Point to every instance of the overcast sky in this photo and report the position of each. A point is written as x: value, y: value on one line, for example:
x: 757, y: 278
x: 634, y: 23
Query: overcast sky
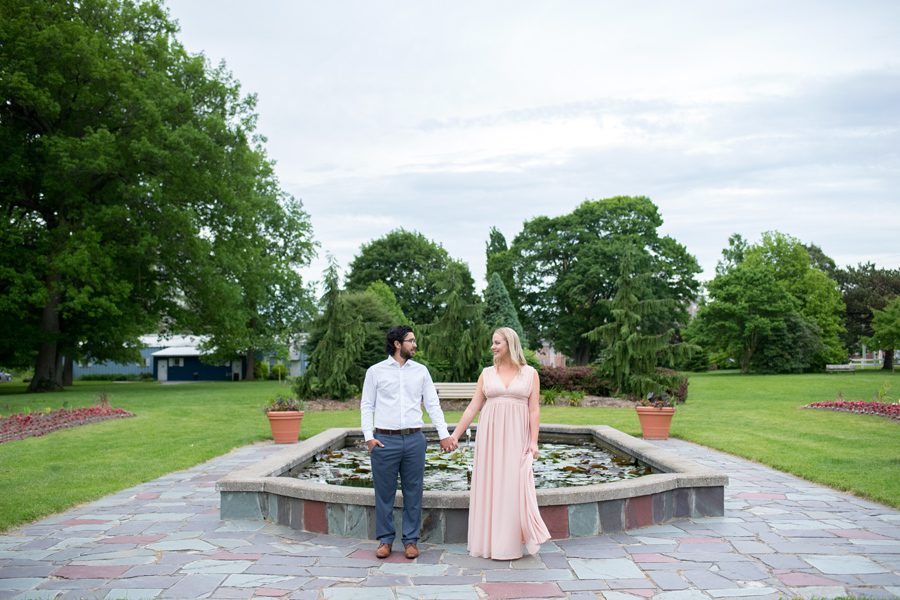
x: 448, y: 118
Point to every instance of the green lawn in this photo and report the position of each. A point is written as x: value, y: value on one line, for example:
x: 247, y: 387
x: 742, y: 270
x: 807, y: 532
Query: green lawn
x: 178, y: 426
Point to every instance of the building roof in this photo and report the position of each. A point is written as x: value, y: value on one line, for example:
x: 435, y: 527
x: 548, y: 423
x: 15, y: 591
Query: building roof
x: 177, y: 351
x: 155, y: 340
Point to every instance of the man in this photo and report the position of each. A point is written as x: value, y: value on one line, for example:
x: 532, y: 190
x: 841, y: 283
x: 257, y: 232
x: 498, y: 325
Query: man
x: 391, y: 412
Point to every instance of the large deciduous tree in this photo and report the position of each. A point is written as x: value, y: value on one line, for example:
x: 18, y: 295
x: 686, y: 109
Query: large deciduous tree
x: 565, y: 270
x: 818, y: 297
x: 886, y: 330
x: 413, y: 267
x: 134, y: 191
x: 865, y: 288
x: 770, y: 309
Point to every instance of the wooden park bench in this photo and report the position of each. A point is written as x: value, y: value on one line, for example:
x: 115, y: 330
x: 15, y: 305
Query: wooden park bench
x: 840, y: 368
x: 455, y: 391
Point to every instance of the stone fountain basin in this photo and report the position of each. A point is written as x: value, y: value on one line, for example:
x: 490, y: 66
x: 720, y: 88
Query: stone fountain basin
x: 679, y: 488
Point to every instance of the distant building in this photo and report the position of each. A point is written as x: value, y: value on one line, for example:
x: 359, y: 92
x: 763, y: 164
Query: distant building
x: 179, y: 358
x: 297, y: 357
x: 176, y: 358
x: 182, y: 360
x: 549, y: 357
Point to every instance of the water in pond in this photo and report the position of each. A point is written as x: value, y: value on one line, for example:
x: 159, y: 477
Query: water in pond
x: 558, y: 465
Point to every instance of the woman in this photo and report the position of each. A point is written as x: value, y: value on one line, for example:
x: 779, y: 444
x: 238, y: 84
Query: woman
x: 503, y: 511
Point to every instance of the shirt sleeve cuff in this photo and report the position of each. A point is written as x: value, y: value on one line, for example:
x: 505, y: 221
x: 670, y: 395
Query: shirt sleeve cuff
x: 368, y: 435
x: 442, y: 432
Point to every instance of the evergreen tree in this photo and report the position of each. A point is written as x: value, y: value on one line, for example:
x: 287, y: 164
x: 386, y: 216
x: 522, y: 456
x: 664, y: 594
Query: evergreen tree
x: 498, y: 308
x: 454, y: 344
x: 341, y: 345
x: 631, y: 352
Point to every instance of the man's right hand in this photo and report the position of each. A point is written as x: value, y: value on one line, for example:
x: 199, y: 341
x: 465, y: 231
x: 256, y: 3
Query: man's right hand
x: 372, y: 443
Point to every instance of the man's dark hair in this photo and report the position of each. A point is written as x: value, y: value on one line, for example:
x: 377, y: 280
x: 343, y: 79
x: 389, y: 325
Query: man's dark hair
x: 396, y: 334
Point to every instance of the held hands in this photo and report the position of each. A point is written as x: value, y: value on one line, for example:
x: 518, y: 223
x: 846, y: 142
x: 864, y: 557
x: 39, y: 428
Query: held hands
x: 449, y: 444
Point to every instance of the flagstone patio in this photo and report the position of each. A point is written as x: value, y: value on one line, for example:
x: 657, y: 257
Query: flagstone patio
x: 780, y: 537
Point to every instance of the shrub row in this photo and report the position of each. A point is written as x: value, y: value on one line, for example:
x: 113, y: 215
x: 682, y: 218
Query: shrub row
x: 117, y: 377
x: 585, y: 379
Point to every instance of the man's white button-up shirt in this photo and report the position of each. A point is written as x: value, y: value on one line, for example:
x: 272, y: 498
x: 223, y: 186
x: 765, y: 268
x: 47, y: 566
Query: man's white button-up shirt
x: 400, y: 392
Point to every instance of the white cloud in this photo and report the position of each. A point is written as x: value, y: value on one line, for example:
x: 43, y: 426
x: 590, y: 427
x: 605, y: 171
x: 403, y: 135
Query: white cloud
x: 448, y: 119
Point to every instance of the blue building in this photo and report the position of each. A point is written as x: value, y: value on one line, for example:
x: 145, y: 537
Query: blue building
x: 177, y: 358
x: 185, y: 363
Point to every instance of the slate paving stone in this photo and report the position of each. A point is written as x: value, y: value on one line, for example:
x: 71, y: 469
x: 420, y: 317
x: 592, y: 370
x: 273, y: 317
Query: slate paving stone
x: 96, y: 594
x: 132, y: 594
x: 668, y: 581
x: 529, y: 575
x: 782, y: 561
x: 583, y: 584
x: 522, y: 590
x: 336, y: 572
x: 751, y: 547
x: 344, y: 593
x: 195, y: 586
x: 387, y: 581
x: 447, y: 592
x: 582, y: 596
x: 627, y: 584
x: 447, y: 580
x: 866, y: 592
x: 283, y: 570
x: 746, y: 571
x: 555, y: 561
x: 149, y: 582
x: 707, y: 580
x: 614, y: 568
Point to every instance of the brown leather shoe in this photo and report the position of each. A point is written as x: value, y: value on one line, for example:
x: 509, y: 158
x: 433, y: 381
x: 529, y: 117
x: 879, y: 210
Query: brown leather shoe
x: 384, y: 550
x: 412, y: 551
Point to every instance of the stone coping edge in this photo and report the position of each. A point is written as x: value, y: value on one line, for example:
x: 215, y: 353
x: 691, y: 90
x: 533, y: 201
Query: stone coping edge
x: 675, y: 472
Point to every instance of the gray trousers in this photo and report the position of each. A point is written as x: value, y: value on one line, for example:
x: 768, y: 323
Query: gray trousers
x: 402, y: 455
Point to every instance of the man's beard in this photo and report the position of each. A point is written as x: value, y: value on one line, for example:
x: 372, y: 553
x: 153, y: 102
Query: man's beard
x: 406, y: 354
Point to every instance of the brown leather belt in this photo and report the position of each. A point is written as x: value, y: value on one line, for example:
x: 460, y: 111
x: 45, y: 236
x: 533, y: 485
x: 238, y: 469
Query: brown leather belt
x: 409, y: 431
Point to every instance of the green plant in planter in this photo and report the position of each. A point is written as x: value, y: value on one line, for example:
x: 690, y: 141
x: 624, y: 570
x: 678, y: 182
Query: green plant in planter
x: 657, y: 400
x: 281, y: 403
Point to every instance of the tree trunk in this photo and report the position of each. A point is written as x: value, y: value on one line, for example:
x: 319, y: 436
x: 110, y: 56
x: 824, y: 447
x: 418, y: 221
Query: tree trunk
x: 888, y: 364
x: 582, y: 354
x: 251, y: 366
x: 47, y: 369
x: 68, y: 372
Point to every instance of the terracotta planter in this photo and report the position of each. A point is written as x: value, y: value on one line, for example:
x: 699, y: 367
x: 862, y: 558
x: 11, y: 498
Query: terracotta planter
x: 285, y: 425
x: 655, y: 422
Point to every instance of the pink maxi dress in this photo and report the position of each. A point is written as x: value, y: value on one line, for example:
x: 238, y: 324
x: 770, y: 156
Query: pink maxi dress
x: 503, y: 510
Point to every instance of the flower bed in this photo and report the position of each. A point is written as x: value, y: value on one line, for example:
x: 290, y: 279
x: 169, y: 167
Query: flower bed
x: 20, y: 426
x: 881, y: 409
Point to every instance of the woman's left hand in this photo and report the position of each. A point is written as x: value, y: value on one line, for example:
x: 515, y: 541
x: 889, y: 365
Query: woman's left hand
x: 533, y: 448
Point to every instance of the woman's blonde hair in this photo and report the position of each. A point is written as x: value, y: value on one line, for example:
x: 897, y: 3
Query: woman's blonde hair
x: 514, y: 345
